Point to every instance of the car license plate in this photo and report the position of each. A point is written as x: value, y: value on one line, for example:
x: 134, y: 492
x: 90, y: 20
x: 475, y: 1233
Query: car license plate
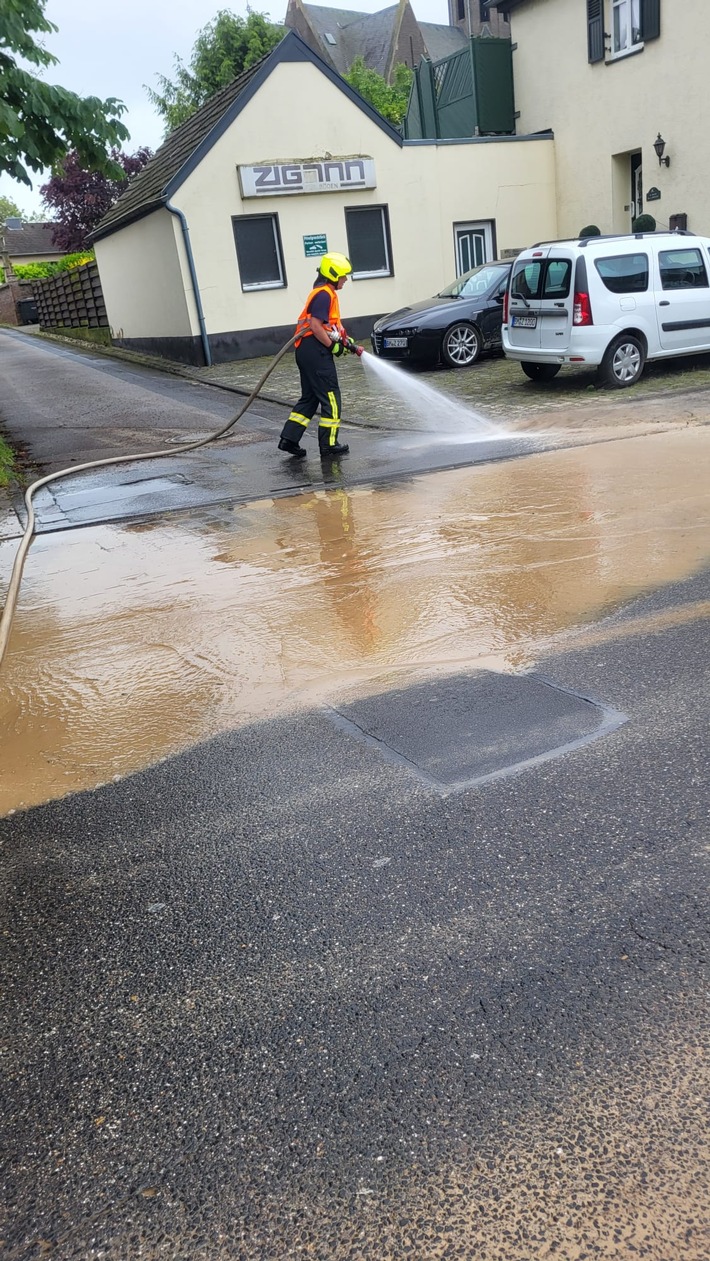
x: 524, y: 321
x: 395, y: 343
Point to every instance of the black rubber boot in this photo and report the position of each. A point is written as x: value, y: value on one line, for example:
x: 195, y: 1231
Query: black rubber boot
x: 328, y: 444
x: 286, y: 444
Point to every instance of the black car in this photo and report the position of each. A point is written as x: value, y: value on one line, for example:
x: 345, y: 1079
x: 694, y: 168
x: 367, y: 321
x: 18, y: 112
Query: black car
x: 455, y: 326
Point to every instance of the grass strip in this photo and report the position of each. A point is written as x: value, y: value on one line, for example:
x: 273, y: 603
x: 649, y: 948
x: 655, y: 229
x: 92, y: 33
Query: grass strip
x: 7, y: 464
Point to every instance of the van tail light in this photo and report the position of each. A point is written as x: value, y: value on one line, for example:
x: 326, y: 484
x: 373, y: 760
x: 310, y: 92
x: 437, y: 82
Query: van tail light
x: 505, y: 307
x: 582, y: 314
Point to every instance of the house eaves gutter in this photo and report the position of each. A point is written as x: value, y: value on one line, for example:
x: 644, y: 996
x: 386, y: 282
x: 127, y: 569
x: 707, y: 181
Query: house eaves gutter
x: 462, y: 140
x: 193, y: 278
x: 142, y: 212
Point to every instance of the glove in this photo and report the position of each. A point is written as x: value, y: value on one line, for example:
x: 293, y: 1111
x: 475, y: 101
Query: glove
x: 338, y: 347
x: 352, y: 346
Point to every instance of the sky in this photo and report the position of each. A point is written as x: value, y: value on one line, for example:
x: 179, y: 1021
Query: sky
x: 112, y: 49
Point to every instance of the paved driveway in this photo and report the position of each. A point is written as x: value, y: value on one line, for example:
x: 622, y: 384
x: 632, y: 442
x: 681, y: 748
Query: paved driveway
x: 674, y: 389
x: 495, y: 385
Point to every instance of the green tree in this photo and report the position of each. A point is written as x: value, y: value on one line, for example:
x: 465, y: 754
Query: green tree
x: 223, y: 49
x: 389, y: 99
x: 10, y: 210
x: 41, y: 122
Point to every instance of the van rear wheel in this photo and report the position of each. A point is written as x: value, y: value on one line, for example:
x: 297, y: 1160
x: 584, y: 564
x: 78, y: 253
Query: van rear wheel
x: 540, y: 371
x: 623, y: 362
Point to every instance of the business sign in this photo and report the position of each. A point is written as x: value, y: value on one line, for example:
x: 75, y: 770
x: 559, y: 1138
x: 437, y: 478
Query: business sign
x: 315, y: 246
x: 280, y: 179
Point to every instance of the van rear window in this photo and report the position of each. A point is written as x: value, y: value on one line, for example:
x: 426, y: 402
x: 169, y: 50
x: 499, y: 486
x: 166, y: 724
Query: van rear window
x: 557, y: 278
x: 624, y: 273
x: 526, y: 280
x: 539, y: 280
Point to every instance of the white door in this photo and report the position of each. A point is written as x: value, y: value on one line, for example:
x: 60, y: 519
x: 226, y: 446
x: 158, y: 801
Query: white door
x: 636, y: 186
x: 683, y: 298
x: 474, y: 245
x: 541, y: 301
x: 556, y: 304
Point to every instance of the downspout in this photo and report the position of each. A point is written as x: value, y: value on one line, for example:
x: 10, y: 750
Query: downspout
x: 474, y: 101
x: 195, y: 287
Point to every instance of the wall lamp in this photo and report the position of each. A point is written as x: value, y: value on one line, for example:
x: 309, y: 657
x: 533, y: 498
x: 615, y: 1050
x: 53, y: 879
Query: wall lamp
x: 659, y: 145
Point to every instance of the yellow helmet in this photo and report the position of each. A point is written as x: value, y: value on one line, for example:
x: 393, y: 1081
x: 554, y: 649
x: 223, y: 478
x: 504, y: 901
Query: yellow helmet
x: 334, y: 266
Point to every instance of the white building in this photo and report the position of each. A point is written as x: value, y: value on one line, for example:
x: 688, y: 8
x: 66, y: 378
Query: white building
x: 610, y: 77
x: 209, y: 254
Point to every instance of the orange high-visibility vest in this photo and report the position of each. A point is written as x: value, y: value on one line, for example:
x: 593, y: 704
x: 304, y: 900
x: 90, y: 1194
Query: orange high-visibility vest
x: 303, y: 327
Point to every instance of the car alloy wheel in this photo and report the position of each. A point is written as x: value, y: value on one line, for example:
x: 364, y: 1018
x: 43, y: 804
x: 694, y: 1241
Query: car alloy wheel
x: 461, y: 346
x: 623, y: 362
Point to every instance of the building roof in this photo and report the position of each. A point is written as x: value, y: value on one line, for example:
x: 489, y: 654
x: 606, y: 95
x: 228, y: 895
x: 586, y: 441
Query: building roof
x: 370, y: 37
x: 31, y: 238
x: 343, y: 34
x: 340, y: 35
x: 329, y: 26
x: 326, y: 19
x: 442, y: 41
x: 146, y: 190
x: 185, y: 147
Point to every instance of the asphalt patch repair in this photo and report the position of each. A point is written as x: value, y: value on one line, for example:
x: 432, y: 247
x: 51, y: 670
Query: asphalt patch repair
x: 459, y: 732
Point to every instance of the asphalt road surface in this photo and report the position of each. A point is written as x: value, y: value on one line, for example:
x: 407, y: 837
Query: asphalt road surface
x: 311, y: 989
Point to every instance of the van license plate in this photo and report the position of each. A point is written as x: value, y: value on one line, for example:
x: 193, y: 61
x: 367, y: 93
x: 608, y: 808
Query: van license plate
x: 524, y: 321
x: 395, y: 343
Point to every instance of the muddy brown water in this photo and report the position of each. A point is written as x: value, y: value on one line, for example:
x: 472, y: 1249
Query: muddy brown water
x: 132, y: 642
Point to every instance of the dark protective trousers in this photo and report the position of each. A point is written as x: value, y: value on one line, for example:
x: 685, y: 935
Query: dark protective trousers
x: 319, y: 388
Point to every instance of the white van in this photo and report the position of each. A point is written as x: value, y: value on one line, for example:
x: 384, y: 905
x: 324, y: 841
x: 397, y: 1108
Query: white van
x: 614, y: 301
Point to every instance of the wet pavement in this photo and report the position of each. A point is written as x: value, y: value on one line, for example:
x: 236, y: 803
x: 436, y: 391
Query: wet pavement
x: 494, y: 384
x: 66, y: 406
x: 273, y: 990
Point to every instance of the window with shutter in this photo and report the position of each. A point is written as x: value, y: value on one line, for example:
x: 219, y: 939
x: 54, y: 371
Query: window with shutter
x: 369, y: 249
x: 595, y: 30
x: 625, y: 25
x: 259, y: 253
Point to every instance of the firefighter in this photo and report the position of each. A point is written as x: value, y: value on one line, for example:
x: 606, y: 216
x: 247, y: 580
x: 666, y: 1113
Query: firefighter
x: 320, y: 339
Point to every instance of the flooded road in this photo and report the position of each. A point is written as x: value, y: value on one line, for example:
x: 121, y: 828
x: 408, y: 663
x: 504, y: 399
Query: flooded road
x: 276, y: 998
x: 132, y: 642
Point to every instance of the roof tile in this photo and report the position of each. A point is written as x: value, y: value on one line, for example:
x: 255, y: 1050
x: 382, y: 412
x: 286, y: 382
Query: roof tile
x: 31, y: 238
x: 146, y: 190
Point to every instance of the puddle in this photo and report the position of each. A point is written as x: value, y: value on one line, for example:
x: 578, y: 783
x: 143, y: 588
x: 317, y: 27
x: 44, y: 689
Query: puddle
x: 133, y: 642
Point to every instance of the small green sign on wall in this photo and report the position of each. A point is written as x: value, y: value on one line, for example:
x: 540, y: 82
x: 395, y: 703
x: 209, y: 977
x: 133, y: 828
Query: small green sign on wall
x: 315, y: 246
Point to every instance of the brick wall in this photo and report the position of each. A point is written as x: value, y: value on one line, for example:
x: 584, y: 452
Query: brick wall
x: 10, y: 295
